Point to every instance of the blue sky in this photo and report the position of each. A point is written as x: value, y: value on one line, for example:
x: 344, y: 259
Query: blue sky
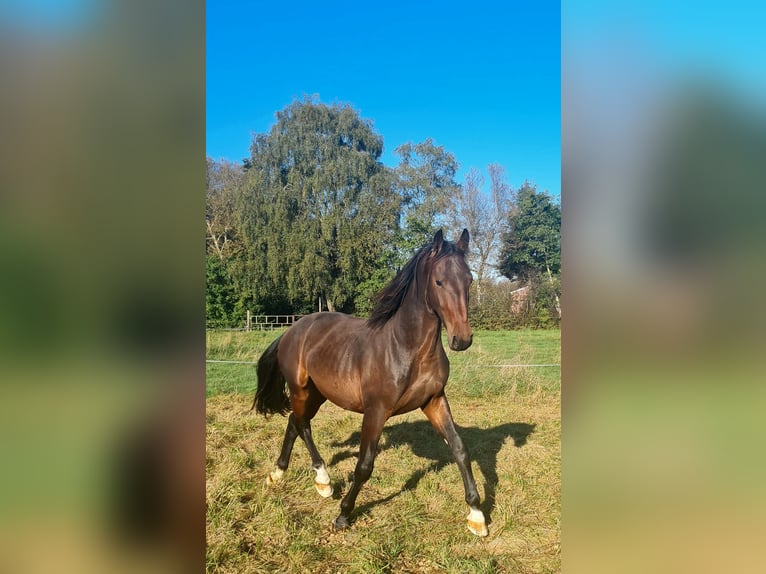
x: 481, y: 79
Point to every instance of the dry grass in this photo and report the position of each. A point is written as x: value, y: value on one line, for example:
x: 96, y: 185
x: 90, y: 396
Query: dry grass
x: 410, y: 515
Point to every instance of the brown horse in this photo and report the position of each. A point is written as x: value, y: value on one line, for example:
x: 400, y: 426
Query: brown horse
x: 389, y: 364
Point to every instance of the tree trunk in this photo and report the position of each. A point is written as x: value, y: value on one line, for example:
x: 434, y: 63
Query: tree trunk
x: 550, y: 278
x: 216, y: 245
x: 478, y: 292
x: 328, y: 304
x: 480, y: 279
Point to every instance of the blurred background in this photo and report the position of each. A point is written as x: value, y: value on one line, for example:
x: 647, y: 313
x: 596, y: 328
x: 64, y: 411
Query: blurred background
x: 664, y: 193
x: 101, y: 286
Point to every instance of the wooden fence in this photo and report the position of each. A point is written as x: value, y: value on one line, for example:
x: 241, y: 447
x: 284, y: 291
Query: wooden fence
x: 269, y: 322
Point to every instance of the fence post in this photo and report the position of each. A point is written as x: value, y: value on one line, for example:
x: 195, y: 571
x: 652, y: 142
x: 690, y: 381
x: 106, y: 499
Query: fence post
x: 247, y: 325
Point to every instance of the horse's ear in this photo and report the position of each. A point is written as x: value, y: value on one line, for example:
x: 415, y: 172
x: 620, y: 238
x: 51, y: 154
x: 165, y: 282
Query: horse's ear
x: 462, y: 243
x: 436, y: 244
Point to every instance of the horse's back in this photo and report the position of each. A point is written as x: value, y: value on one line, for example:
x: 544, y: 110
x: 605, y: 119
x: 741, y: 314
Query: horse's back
x: 312, y: 330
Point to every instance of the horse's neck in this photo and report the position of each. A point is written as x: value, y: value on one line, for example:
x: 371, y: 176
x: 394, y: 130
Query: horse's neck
x: 415, y: 323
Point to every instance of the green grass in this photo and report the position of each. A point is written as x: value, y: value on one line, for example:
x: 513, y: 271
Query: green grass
x: 528, y: 346
x: 410, y: 515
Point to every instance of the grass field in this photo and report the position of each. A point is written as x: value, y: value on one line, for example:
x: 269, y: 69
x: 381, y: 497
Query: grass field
x: 410, y: 515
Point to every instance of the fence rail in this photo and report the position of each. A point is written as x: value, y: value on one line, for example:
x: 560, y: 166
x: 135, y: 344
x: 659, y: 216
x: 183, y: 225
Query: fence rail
x: 269, y: 322
x: 260, y: 323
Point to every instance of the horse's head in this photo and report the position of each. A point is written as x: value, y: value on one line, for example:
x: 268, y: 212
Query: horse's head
x: 447, y: 291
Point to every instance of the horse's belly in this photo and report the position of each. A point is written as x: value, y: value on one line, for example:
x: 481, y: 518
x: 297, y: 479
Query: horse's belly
x: 340, y: 390
x: 417, y: 395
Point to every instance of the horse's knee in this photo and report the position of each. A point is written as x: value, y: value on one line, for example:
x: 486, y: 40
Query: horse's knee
x: 363, y: 472
x: 363, y: 469
x: 459, y: 449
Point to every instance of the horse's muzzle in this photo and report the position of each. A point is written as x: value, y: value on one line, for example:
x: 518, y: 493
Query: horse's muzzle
x: 457, y: 344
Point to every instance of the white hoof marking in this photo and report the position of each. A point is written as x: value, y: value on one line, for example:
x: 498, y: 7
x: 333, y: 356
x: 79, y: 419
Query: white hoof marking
x: 324, y: 490
x: 476, y: 523
x: 322, y: 482
x: 274, y: 476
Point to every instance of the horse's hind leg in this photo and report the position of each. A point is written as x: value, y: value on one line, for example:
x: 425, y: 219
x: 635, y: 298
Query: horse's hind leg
x: 291, y: 433
x: 305, y: 406
x: 322, y: 479
x: 305, y: 401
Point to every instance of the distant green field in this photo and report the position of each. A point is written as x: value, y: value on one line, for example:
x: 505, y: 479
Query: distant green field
x: 526, y: 346
x: 410, y: 516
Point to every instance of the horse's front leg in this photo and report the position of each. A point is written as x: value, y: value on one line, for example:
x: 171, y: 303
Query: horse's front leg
x: 438, y: 412
x: 372, y: 426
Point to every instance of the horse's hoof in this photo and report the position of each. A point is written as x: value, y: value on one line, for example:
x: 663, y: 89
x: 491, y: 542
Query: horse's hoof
x: 478, y: 528
x: 274, y: 476
x: 476, y: 523
x: 341, y: 523
x: 324, y: 490
x: 322, y: 482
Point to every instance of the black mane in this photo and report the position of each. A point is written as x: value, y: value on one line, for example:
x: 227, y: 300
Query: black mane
x: 390, y: 298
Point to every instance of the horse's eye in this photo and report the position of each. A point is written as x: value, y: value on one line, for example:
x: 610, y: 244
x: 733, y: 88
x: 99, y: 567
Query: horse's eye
x: 439, y: 283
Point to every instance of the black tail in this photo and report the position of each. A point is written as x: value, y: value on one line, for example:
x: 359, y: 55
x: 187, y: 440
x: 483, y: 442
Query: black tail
x: 271, y: 396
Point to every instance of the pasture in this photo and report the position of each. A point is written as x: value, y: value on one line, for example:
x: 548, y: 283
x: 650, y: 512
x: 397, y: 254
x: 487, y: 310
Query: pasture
x: 410, y: 516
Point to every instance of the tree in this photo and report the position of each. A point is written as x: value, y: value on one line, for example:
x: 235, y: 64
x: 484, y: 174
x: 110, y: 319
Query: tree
x: 219, y: 293
x: 531, y: 247
x: 224, y: 247
x: 485, y: 215
x: 319, y: 210
x: 425, y: 180
x: 224, y: 181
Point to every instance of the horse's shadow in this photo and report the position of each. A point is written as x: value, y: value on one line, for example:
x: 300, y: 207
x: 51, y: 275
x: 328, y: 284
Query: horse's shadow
x: 483, y: 445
